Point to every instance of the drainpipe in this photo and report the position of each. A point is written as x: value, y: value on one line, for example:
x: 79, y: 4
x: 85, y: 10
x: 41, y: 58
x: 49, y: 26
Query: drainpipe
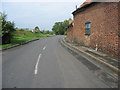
x: 96, y: 47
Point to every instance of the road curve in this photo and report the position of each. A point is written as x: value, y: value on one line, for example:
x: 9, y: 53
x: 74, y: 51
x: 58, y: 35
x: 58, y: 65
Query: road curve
x: 45, y: 64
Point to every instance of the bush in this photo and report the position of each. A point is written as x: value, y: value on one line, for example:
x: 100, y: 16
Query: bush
x: 36, y: 30
x: 7, y: 29
x: 21, y: 30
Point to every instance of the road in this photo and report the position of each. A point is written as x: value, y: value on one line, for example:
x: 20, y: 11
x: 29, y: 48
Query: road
x: 45, y: 64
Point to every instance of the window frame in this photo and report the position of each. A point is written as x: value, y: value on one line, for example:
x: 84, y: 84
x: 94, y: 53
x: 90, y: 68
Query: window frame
x: 87, y: 28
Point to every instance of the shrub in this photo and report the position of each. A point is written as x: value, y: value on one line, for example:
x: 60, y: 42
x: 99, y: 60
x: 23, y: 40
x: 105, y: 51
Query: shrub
x: 7, y: 29
x: 21, y: 30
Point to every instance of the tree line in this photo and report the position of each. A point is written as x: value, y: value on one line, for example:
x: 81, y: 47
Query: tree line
x: 59, y: 28
x: 7, y: 29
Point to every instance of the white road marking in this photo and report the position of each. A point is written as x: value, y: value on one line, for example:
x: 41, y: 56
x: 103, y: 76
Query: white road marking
x: 36, y: 67
x: 44, y: 48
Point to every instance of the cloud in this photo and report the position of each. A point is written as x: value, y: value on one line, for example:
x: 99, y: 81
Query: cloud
x: 42, y: 14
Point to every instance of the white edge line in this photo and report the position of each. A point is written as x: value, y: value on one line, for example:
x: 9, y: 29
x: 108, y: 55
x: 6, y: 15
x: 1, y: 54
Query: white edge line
x: 36, y: 66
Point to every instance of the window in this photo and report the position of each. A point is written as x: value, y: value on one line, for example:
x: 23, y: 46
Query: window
x: 87, y: 28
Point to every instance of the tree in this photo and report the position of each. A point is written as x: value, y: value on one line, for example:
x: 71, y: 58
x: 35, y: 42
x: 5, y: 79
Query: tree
x: 59, y: 28
x: 47, y: 32
x: 36, y: 30
x: 7, y: 29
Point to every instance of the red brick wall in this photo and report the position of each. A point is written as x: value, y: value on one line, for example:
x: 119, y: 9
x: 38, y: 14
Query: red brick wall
x: 70, y: 33
x: 104, y: 27
x: 111, y: 29
x: 119, y: 29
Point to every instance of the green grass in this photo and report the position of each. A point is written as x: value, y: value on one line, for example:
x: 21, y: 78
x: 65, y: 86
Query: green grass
x: 23, y: 36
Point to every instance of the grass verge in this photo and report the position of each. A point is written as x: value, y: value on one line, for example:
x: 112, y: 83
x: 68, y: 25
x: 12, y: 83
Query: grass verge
x: 20, y: 37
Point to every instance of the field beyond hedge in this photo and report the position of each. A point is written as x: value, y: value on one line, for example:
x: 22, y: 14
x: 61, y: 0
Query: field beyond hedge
x: 23, y: 36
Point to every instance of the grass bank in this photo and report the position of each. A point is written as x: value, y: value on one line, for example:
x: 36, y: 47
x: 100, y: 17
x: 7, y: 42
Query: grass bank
x: 23, y: 36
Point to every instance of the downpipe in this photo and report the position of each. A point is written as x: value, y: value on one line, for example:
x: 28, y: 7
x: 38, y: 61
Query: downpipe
x: 96, y: 47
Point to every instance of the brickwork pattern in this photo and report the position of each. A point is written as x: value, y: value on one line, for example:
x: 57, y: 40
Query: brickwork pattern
x: 104, y: 18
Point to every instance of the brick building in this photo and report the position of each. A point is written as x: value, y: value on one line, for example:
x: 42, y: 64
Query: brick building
x: 97, y: 23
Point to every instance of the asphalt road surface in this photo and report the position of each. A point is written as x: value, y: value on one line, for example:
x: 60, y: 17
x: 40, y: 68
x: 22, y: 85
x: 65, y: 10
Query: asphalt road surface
x: 45, y: 64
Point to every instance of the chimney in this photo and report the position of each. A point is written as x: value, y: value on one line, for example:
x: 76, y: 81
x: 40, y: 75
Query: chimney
x: 76, y: 7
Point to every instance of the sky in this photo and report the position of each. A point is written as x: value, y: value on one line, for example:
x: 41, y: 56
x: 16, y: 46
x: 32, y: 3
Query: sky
x: 28, y: 14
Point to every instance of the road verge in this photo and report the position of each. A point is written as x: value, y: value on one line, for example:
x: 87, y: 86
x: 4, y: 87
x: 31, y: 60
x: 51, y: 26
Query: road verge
x: 18, y: 44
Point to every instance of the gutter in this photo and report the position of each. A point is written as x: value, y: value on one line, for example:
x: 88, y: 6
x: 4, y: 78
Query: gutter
x: 83, y: 8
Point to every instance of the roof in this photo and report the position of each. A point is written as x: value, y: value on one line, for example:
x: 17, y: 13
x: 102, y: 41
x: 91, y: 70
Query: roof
x: 84, y: 5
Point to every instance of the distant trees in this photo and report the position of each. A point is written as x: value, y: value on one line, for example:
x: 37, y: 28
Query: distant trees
x: 46, y: 32
x: 59, y: 28
x: 7, y: 29
x: 36, y: 30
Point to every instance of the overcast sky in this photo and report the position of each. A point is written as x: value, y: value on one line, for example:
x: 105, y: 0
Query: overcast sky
x: 38, y: 13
